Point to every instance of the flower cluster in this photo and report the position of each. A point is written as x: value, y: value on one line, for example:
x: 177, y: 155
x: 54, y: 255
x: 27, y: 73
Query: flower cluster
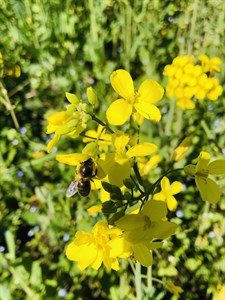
x: 119, y: 164
x: 188, y: 81
x: 70, y: 122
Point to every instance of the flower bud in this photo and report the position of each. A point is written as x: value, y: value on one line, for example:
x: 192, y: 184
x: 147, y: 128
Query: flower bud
x: 91, y: 95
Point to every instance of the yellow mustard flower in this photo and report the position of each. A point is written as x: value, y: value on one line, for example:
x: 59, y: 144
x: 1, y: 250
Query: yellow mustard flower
x: 181, y: 149
x: 117, y: 165
x: 167, y: 192
x: 70, y: 122
x: 210, y: 65
x: 187, y: 80
x: 93, y: 249
x: 148, y: 224
x: 120, y: 247
x: 215, y: 91
x: 208, y: 189
x: 141, y: 102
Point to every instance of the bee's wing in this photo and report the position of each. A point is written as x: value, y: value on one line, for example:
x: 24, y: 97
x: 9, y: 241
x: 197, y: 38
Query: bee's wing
x: 72, y: 189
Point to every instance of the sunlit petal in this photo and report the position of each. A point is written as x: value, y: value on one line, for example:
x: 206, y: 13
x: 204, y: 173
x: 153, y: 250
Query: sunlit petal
x: 176, y: 187
x: 143, y: 149
x: 118, y: 112
x: 58, y: 118
x: 203, y: 161
x: 149, y: 111
x: 53, y: 142
x: 72, y: 159
x: 165, y: 183
x: 150, y: 91
x: 122, y: 83
x: 171, y: 203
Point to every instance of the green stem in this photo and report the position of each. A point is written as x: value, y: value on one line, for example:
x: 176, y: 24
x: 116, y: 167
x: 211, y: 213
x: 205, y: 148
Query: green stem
x: 94, y: 118
x: 6, y: 101
x: 149, y: 279
x: 193, y: 26
x: 170, y: 117
x: 137, y: 276
x: 153, y: 186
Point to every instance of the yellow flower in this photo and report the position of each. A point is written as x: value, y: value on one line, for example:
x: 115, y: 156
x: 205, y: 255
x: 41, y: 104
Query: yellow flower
x: 131, y: 102
x: 181, y: 149
x: 167, y: 193
x: 210, y: 65
x: 148, y: 224
x: 187, y: 80
x: 140, y: 251
x: 70, y: 122
x: 117, y: 165
x: 208, y: 189
x: 215, y: 91
x: 92, y: 249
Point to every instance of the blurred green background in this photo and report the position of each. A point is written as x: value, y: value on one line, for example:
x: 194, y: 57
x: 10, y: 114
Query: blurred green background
x: 52, y: 47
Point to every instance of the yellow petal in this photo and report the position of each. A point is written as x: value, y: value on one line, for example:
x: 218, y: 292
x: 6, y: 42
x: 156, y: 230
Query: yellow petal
x: 217, y: 167
x: 203, y: 161
x: 164, y: 229
x: 142, y: 254
x: 155, y: 210
x: 118, y: 112
x: 150, y: 91
x: 72, y: 251
x: 131, y: 222
x: 171, y: 203
x: 58, y: 118
x: 72, y: 159
x: 143, y: 149
x: 94, y: 209
x: 51, y: 128
x: 122, y: 83
x: 165, y: 183
x: 208, y: 189
x: 119, y: 171
x: 180, y: 151
x: 159, y: 196
x: 53, y: 142
x: 175, y: 188
x: 149, y: 111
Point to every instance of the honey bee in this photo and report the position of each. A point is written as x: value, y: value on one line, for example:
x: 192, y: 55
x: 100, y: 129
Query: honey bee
x: 82, y: 185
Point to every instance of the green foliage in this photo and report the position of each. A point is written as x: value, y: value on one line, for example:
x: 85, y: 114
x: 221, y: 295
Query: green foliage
x: 66, y: 46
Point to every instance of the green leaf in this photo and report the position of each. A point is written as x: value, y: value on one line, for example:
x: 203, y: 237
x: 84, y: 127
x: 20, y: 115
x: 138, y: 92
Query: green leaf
x: 10, y: 242
x: 36, y: 275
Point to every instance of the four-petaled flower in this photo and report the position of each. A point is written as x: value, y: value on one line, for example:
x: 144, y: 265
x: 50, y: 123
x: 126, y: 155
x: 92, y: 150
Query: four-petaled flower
x: 148, y: 224
x: 131, y: 102
x: 167, y: 193
x: 208, y: 189
x: 93, y: 249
